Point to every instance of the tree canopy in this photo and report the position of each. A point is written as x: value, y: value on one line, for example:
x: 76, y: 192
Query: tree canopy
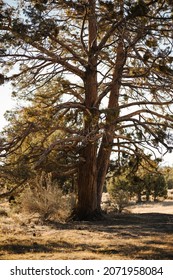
x: 98, y: 76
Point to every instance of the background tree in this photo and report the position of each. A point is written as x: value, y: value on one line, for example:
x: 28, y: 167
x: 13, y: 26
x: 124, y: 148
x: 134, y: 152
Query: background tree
x: 168, y: 174
x: 141, y: 178
x: 22, y: 162
x: 147, y: 179
x: 170, y: 183
x: 155, y: 185
x: 111, y: 61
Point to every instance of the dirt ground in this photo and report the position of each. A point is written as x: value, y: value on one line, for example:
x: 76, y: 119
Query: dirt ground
x: 144, y: 232
x: 164, y: 207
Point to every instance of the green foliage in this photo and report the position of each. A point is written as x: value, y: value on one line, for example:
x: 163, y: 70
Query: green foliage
x: 160, y: 187
x: 155, y: 185
x: 118, y: 189
x: 41, y: 124
x: 141, y: 179
x: 136, y: 186
x: 170, y: 184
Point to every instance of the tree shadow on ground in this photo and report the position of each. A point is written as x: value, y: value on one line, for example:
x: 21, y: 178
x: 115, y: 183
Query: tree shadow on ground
x: 147, y: 224
x: 49, y: 247
x: 143, y: 252
x: 152, y: 228
x: 126, y: 251
x: 126, y: 236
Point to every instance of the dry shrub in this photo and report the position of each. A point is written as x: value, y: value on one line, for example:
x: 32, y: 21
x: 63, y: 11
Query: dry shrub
x: 45, y: 197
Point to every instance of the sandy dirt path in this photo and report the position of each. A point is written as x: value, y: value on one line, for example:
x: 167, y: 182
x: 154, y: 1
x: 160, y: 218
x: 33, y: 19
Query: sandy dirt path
x: 164, y: 207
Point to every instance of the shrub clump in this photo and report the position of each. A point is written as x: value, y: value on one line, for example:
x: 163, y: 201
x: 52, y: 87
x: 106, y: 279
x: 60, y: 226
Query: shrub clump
x: 119, y: 194
x: 120, y: 200
x: 45, y: 197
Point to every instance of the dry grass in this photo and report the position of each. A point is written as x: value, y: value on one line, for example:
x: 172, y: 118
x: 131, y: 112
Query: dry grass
x: 126, y: 236
x: 47, y: 199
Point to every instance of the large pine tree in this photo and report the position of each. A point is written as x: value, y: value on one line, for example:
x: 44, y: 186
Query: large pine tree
x: 110, y: 63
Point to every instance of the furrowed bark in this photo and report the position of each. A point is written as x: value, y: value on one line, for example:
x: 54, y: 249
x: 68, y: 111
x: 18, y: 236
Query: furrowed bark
x: 87, y: 175
x: 107, y: 140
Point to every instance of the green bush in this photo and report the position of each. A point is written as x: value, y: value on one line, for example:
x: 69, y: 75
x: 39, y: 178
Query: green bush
x: 119, y: 194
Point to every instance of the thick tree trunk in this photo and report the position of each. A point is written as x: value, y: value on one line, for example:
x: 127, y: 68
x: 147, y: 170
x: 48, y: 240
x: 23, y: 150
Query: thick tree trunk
x: 87, y: 183
x: 87, y: 174
x: 92, y: 172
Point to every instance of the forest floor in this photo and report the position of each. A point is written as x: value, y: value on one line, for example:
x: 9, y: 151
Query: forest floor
x: 144, y: 232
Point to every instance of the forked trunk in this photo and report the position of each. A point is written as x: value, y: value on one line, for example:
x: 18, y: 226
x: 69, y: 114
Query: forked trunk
x: 91, y: 179
x: 92, y: 172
